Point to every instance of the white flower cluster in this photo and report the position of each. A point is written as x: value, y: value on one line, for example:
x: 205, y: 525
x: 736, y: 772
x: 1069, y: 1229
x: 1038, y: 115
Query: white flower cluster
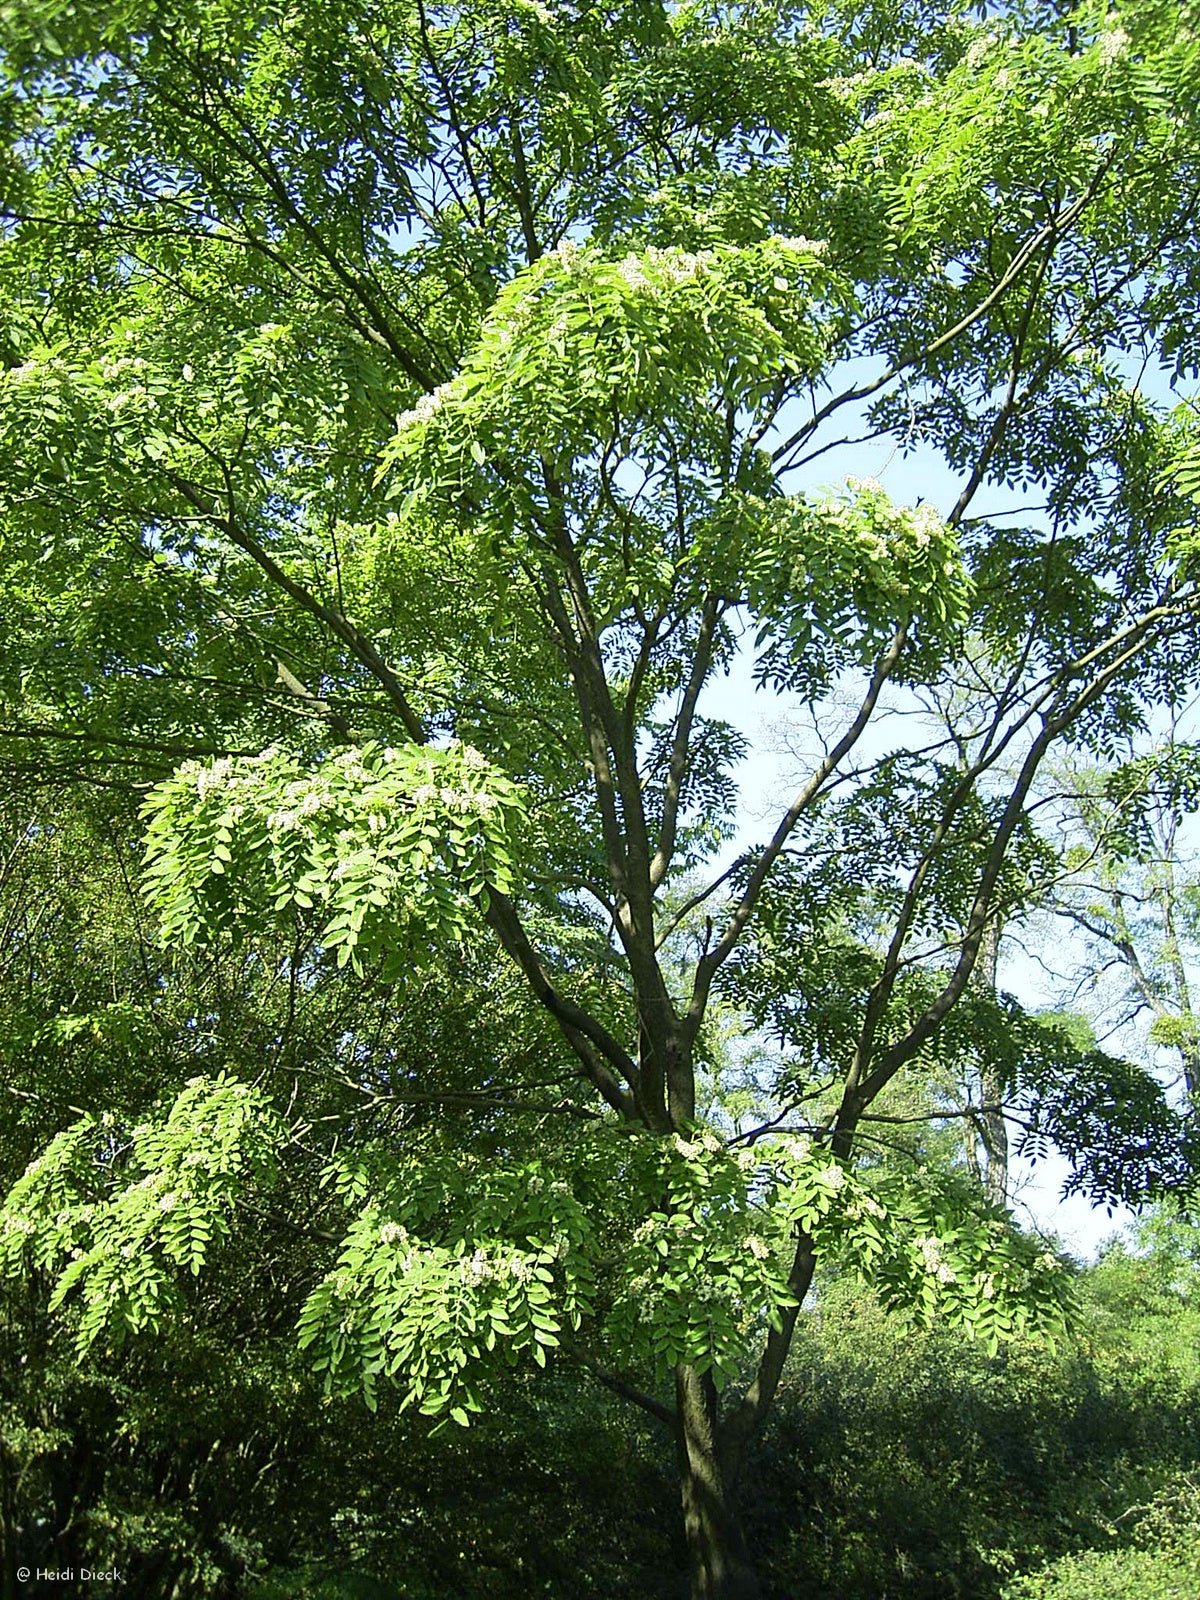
x: 426, y: 408
x: 457, y: 799
x: 474, y: 760
x: 888, y: 528
x: 479, y: 1269
x: 127, y: 369
x: 463, y: 801
x: 1113, y: 43
x: 352, y: 769
x: 644, y: 1289
x: 865, y: 1206
x: 482, y: 1268
x: 846, y: 83
x: 978, y: 49
x: 123, y: 364
x: 925, y: 523
x: 691, y: 1149
x: 670, y: 268
x: 394, y: 1233
x: 935, y: 1263
x: 214, y: 777
x: 797, y: 241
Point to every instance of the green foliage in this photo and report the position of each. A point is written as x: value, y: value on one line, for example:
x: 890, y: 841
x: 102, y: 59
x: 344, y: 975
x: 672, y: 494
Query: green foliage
x: 661, y: 333
x: 426, y: 397
x: 913, y: 1463
x: 204, y: 1453
x: 381, y: 849
x: 1162, y: 1564
x: 444, y: 1268
x: 112, y: 1211
x: 453, y: 1270
x: 1118, y: 1575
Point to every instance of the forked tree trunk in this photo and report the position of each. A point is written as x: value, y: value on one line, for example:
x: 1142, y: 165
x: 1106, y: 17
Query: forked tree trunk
x: 718, y: 1562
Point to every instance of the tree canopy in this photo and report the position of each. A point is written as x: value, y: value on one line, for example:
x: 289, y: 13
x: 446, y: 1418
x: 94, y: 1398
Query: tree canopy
x: 408, y: 413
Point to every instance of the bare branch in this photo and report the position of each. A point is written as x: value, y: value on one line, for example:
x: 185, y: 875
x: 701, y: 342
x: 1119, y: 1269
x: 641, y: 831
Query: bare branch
x: 710, y: 964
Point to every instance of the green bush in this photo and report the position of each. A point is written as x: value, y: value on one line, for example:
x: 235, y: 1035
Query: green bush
x: 1161, y: 1562
x: 315, y: 1585
x: 913, y: 1466
x: 1111, y: 1575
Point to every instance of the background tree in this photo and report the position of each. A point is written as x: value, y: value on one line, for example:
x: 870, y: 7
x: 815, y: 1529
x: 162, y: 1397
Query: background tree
x: 1130, y: 892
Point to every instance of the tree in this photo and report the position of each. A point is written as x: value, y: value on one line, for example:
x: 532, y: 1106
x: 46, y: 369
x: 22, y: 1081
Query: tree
x: 1130, y: 890
x: 623, y: 272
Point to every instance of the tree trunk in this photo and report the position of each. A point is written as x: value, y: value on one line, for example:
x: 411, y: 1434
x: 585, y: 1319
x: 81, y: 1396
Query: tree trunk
x: 993, y: 1133
x: 717, y: 1560
x: 1190, y: 1056
x: 993, y: 1130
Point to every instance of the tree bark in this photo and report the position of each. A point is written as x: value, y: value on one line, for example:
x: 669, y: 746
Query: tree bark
x: 993, y: 1130
x: 718, y: 1564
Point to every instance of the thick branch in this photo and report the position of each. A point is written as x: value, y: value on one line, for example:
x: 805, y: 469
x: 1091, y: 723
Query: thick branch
x: 677, y: 765
x: 601, y: 1056
x: 1021, y: 259
x: 747, y: 1416
x: 618, y: 1386
x: 338, y: 624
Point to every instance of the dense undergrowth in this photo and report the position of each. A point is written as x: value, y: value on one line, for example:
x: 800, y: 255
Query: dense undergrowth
x: 901, y: 1466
